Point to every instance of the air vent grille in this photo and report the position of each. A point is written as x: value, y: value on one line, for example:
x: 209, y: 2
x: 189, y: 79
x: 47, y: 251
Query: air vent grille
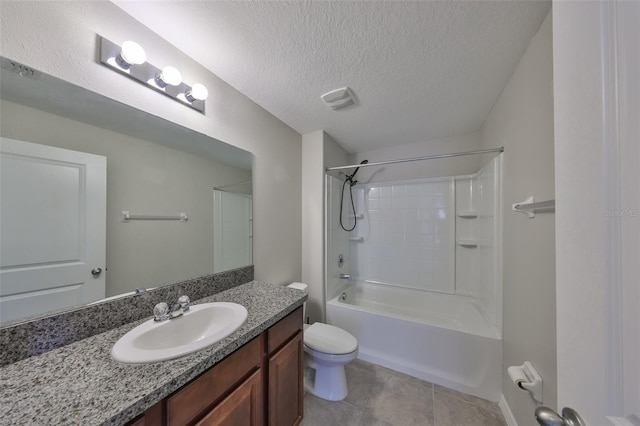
x: 339, y: 98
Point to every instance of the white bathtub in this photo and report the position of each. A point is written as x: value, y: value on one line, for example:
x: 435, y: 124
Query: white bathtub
x: 441, y: 338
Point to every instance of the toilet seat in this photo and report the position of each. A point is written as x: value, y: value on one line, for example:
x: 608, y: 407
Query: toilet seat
x: 329, y: 339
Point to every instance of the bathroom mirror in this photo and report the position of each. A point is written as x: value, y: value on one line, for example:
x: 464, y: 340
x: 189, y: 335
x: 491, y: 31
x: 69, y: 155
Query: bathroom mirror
x: 155, y: 170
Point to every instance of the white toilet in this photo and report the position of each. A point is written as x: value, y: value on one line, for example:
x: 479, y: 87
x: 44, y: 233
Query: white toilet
x: 327, y: 350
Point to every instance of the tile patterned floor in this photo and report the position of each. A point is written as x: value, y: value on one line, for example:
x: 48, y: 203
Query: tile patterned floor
x: 382, y: 397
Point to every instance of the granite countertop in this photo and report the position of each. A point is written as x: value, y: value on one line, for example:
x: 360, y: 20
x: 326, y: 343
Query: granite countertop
x: 80, y: 384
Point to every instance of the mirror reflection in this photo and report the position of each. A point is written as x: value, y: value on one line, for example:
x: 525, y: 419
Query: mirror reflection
x: 99, y: 198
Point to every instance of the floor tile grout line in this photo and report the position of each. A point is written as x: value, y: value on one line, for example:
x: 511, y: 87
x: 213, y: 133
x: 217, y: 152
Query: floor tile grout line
x: 485, y: 406
x: 433, y: 405
x: 351, y: 405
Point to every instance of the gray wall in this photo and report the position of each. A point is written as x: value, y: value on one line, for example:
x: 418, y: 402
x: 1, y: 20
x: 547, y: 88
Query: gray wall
x: 60, y: 38
x: 522, y: 122
x: 319, y: 151
x: 313, y: 223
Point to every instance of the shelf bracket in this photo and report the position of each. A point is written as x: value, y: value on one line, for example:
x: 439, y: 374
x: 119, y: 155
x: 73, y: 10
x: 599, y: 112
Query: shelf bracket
x: 529, y: 206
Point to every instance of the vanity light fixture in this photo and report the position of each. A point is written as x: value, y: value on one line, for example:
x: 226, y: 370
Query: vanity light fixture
x: 169, y: 76
x: 131, y: 54
x: 197, y: 92
x: 130, y: 59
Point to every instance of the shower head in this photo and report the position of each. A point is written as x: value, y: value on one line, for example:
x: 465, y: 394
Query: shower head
x: 350, y: 177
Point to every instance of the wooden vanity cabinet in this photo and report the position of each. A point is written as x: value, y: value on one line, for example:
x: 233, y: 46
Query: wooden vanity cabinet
x: 243, y: 407
x: 285, y: 372
x: 259, y: 384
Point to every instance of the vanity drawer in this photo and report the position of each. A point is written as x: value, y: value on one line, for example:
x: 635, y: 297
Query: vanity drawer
x: 283, y: 330
x: 187, y: 404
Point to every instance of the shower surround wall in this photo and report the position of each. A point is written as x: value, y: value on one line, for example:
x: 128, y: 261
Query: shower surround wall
x: 437, y: 234
x: 406, y: 235
x: 422, y: 243
x: 478, y: 239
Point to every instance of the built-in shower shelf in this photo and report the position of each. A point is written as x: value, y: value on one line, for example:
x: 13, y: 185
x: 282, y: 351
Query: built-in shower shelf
x: 358, y: 239
x: 468, y: 215
x: 468, y: 243
x: 358, y: 216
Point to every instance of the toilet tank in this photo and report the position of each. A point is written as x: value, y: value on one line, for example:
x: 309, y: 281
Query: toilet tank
x: 303, y: 287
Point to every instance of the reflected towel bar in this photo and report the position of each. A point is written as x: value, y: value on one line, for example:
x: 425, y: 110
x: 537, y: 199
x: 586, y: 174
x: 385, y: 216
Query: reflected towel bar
x: 126, y: 217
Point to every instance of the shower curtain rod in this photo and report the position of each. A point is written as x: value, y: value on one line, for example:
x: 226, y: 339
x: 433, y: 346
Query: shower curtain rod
x: 405, y: 160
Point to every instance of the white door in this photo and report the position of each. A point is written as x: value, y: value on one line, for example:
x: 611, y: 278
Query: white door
x: 52, y: 228
x: 232, y: 228
x: 597, y: 164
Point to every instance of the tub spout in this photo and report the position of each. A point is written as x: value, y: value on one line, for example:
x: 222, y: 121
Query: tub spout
x: 345, y: 277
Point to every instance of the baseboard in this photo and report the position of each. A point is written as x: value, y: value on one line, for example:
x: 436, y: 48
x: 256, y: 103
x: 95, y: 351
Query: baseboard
x: 506, y: 412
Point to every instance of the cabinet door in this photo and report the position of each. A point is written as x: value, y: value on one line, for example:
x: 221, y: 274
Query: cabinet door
x: 244, y: 407
x: 204, y: 391
x: 285, y: 384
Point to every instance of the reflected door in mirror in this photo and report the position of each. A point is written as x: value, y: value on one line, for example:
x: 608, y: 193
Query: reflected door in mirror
x: 53, y: 225
x: 232, y: 230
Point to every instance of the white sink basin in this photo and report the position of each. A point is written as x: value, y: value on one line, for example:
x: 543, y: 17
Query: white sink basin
x: 201, y: 326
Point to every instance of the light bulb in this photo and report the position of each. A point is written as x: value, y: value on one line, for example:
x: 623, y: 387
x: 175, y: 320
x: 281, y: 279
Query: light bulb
x: 197, y: 92
x: 131, y: 54
x: 170, y: 76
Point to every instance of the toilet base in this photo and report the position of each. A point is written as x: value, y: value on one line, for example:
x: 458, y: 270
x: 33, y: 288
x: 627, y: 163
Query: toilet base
x: 325, y: 381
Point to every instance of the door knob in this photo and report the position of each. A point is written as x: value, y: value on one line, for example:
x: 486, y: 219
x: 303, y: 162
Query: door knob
x: 547, y: 417
x: 96, y: 272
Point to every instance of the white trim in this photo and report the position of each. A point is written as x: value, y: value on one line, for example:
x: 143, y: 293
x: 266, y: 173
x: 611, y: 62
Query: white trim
x: 628, y: 214
x: 506, y: 412
x: 217, y: 230
x: 611, y: 155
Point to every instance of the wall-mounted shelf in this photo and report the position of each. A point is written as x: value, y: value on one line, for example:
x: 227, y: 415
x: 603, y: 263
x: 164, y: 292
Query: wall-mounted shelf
x: 468, y: 243
x: 468, y: 214
x: 529, y: 206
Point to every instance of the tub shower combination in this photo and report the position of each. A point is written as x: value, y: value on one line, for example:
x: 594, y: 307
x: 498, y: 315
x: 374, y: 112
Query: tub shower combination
x: 425, y: 296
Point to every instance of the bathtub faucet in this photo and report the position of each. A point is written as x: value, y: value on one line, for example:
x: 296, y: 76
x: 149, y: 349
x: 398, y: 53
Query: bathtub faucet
x: 345, y: 277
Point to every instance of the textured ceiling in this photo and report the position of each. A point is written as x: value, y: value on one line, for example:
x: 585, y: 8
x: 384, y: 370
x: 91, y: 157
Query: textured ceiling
x: 419, y: 70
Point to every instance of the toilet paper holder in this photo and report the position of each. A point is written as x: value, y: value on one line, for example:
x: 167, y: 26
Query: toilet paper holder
x: 526, y: 377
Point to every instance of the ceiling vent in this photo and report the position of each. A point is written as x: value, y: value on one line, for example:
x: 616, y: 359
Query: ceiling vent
x: 339, y: 98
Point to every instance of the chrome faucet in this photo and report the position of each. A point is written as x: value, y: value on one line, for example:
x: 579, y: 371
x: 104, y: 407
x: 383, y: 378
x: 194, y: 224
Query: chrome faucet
x: 162, y: 312
x: 184, y: 303
x: 345, y: 277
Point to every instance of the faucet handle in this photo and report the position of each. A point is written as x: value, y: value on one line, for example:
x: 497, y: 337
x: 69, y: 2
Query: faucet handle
x: 184, y: 303
x: 161, y: 312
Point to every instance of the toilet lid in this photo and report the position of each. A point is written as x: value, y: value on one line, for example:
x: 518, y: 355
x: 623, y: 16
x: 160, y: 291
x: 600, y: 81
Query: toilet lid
x: 329, y: 339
